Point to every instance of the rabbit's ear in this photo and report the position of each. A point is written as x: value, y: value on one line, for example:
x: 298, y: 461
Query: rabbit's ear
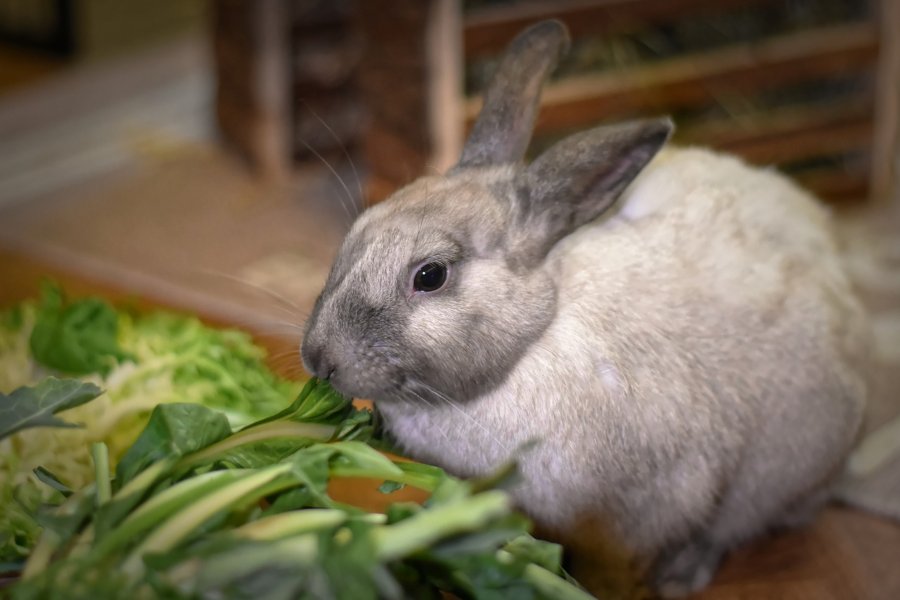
x: 503, y: 128
x: 580, y: 177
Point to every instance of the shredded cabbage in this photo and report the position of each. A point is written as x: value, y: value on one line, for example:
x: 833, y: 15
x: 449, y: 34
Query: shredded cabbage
x: 162, y: 357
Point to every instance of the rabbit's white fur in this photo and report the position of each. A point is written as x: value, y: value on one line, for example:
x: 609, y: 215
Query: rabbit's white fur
x: 689, y: 358
x: 702, y: 375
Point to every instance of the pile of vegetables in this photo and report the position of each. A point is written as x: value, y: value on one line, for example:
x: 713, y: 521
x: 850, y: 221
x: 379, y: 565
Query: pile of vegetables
x: 140, y: 360
x: 205, y: 502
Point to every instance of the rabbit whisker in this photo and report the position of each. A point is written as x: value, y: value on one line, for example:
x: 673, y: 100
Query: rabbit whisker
x: 348, y: 194
x: 343, y: 149
x: 418, y: 396
x: 455, y: 406
x: 284, y: 305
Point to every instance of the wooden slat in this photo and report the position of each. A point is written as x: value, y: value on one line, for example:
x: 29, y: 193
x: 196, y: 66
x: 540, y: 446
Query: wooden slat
x: 796, y: 134
x: 836, y: 186
x: 801, y: 143
x: 487, y: 30
x: 699, y: 79
x: 251, y: 46
x: 732, y: 131
x: 399, y: 138
x: 886, y: 139
x: 790, y: 134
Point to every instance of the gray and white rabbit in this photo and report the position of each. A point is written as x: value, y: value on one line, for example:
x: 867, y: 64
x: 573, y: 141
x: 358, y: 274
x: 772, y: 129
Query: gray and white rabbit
x: 673, y: 326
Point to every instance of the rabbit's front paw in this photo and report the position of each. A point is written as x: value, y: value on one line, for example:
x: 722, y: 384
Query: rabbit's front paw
x: 686, y: 569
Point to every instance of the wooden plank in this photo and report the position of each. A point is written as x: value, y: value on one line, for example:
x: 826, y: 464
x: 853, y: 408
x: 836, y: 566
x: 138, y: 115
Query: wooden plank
x: 699, y: 79
x: 788, y: 134
x: 836, y: 186
x: 445, y: 70
x: 394, y: 86
x: 251, y: 45
x: 799, y: 143
x: 487, y: 30
x: 886, y: 138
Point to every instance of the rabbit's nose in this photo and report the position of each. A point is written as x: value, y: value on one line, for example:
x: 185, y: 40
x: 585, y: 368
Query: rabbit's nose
x: 317, y: 361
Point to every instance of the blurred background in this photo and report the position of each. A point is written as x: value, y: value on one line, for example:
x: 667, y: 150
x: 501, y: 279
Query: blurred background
x: 208, y: 155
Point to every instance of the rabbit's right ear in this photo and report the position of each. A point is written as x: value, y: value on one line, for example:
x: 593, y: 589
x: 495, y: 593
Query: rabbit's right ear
x: 578, y: 179
x: 511, y: 102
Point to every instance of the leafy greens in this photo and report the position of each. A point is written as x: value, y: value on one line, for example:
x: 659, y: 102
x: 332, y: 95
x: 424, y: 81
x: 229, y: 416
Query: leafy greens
x: 193, y: 475
x: 198, y: 510
x: 140, y: 360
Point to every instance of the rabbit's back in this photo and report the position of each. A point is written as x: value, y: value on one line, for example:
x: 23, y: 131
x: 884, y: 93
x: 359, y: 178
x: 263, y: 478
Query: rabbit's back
x: 725, y: 349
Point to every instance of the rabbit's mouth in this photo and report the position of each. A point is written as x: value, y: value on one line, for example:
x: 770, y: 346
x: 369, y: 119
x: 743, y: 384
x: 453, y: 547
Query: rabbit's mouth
x: 372, y: 371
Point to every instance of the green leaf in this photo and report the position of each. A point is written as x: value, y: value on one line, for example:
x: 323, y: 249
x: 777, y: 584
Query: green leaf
x: 422, y: 476
x: 487, y: 577
x: 291, y: 523
x: 356, y: 459
x: 350, y: 550
x: 317, y: 402
x: 487, y: 540
x: 77, y: 338
x: 35, y: 406
x: 173, y: 431
x: 48, y: 478
x: 544, y: 554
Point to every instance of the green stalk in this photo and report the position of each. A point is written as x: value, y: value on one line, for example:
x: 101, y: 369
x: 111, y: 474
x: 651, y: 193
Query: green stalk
x: 267, y: 431
x: 41, y: 554
x: 425, y: 528
x: 547, y: 583
x: 181, y: 524
x: 160, y: 507
x: 100, y: 456
x: 218, y: 570
x: 140, y: 484
x: 413, y: 479
x: 291, y: 523
x: 146, y: 478
x: 49, y: 540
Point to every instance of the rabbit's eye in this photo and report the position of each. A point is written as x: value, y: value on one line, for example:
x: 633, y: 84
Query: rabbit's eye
x: 430, y: 277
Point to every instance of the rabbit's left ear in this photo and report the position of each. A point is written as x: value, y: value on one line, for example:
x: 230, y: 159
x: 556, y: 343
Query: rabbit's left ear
x: 577, y: 179
x: 512, y: 99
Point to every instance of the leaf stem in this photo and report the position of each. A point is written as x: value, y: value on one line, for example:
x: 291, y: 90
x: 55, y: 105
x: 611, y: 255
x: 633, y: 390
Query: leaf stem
x: 401, y: 539
x: 268, y: 431
x: 547, y: 583
x: 100, y: 456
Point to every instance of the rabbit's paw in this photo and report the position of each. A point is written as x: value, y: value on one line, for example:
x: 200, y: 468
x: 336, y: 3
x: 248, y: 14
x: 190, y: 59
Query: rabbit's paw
x: 686, y: 569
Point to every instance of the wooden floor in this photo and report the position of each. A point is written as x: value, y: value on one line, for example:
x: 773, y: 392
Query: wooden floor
x: 845, y: 554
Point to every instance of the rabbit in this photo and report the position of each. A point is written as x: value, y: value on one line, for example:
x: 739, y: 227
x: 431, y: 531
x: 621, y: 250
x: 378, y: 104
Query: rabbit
x: 672, y: 326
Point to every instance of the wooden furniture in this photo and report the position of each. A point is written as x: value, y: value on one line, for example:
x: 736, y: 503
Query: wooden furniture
x: 286, y: 73
x: 811, y: 86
